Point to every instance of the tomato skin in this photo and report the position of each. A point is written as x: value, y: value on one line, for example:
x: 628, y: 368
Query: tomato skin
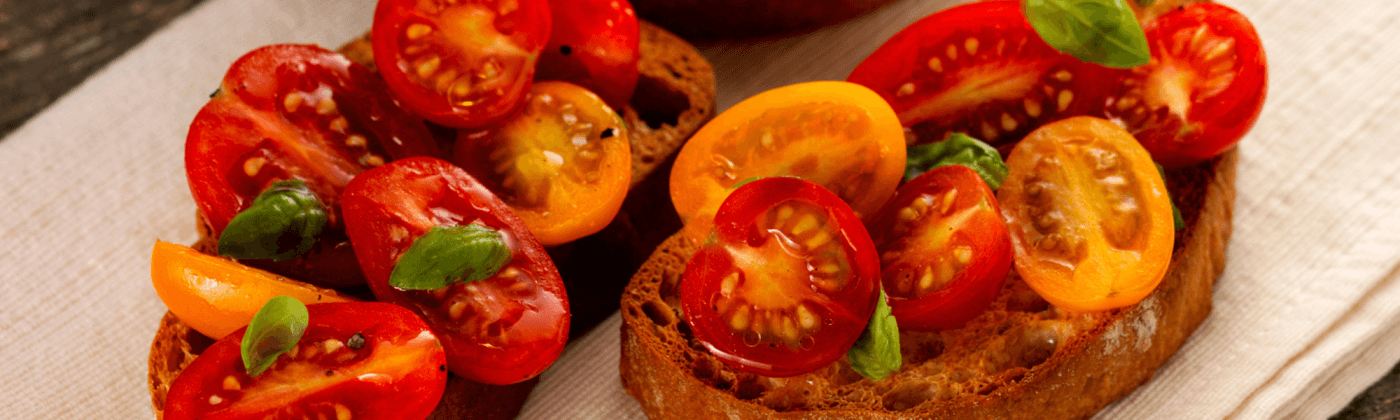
x: 558, y: 201
x: 836, y: 312
x: 267, y: 119
x: 980, y: 69
x: 1090, y: 219
x: 396, y: 375
x: 969, y: 223
x: 479, y: 54
x: 593, y: 44
x: 507, y: 328
x: 1201, y: 92
x: 839, y: 135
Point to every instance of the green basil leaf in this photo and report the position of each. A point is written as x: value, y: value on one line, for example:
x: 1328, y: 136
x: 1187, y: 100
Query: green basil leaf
x: 274, y: 330
x: 876, y: 353
x: 1145, y: 3
x: 281, y: 224
x: 1177, y: 221
x: 450, y: 254
x: 1098, y: 31
x: 958, y: 149
x: 744, y: 181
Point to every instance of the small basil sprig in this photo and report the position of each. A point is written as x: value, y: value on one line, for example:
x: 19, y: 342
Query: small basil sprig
x: 1098, y: 31
x: 1177, y: 221
x: 450, y: 254
x: 958, y: 149
x: 281, y: 224
x: 275, y: 329
x: 876, y: 354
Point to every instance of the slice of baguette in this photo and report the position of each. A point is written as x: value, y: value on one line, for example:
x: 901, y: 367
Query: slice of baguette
x: 1021, y: 359
x: 675, y: 95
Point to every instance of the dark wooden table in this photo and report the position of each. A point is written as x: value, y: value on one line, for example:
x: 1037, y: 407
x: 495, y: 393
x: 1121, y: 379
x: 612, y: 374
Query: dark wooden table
x: 48, y: 47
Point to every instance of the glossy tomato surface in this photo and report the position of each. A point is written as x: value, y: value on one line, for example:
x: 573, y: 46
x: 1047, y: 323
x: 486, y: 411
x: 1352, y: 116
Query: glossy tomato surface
x: 944, y: 249
x: 839, y: 135
x: 563, y: 163
x: 1203, y: 89
x: 979, y: 69
x: 464, y: 64
x: 1090, y: 219
x: 593, y: 44
x: 396, y: 374
x: 788, y: 283
x: 500, y: 330
x: 296, y: 112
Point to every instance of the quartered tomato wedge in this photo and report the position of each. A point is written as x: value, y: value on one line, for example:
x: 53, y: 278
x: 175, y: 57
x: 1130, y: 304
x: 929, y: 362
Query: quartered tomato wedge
x: 1202, y: 90
x: 563, y: 163
x: 593, y: 44
x: 499, y: 330
x: 979, y: 69
x: 789, y: 282
x: 1090, y: 219
x: 296, y: 111
x: 839, y: 135
x: 944, y: 249
x: 464, y: 64
x: 392, y: 371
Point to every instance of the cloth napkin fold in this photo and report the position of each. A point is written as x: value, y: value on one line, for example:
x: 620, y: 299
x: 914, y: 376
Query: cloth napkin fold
x: 1306, y: 314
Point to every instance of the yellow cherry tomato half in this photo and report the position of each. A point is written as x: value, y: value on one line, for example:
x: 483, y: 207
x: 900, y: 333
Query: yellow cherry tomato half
x: 1090, y: 218
x: 839, y: 135
x: 563, y: 163
x: 217, y: 296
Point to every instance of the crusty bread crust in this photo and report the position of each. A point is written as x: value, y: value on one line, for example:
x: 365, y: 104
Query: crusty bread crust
x: 1022, y: 359
x: 675, y: 95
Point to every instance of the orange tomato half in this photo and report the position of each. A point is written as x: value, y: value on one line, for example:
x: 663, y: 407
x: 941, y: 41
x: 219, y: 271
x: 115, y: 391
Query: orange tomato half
x: 1090, y: 218
x: 839, y: 135
x: 217, y: 296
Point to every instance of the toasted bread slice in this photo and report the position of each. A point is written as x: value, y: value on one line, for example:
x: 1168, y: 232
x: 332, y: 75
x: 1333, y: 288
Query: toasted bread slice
x: 1021, y: 359
x: 675, y: 95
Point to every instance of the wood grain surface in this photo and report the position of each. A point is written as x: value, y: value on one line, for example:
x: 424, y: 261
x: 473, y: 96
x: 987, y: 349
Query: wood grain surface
x: 48, y: 47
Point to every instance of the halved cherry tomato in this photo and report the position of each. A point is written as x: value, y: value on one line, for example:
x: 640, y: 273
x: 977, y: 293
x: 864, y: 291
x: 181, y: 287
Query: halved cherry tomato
x: 296, y: 111
x: 396, y: 373
x: 979, y: 69
x: 215, y: 295
x: 1203, y: 89
x: 1090, y: 219
x: 789, y: 282
x: 593, y: 44
x: 464, y: 64
x: 944, y: 249
x: 500, y: 330
x: 563, y: 163
x: 839, y: 135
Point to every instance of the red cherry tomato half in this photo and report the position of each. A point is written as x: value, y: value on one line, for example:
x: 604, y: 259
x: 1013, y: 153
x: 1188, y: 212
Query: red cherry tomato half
x: 296, y: 111
x: 789, y: 282
x: 463, y: 64
x: 944, y: 249
x: 395, y: 374
x: 1203, y: 89
x: 500, y: 330
x: 593, y: 44
x: 979, y: 69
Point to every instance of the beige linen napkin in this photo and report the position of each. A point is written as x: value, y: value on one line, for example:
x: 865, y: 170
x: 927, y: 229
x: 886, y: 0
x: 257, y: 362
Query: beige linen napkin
x: 1306, y: 314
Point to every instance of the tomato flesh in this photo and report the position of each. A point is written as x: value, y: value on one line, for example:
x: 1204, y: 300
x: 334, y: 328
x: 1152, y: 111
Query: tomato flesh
x: 944, y: 249
x: 979, y: 69
x: 396, y: 374
x: 1090, y: 220
x: 296, y: 112
x: 1203, y: 89
x: 461, y: 64
x: 563, y: 163
x: 500, y: 330
x: 593, y: 44
x: 839, y: 135
x: 789, y: 283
